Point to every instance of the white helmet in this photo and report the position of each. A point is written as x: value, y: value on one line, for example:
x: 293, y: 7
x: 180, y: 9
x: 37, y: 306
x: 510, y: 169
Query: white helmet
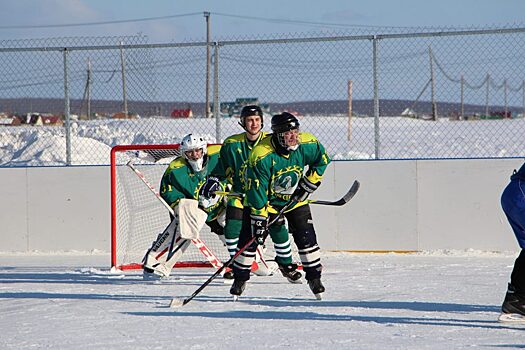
x: 191, y: 142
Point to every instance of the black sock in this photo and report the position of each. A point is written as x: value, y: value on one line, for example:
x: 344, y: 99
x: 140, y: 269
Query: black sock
x: 517, y: 278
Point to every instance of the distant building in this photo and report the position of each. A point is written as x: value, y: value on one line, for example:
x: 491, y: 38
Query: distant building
x: 233, y: 109
x: 10, y: 120
x: 122, y: 115
x: 34, y: 119
x: 182, y: 113
x: 52, y: 120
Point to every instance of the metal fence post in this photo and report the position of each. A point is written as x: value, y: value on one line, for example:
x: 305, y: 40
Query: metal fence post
x: 123, y: 73
x: 66, y: 109
x: 208, y: 63
x: 377, y: 141
x: 216, y: 108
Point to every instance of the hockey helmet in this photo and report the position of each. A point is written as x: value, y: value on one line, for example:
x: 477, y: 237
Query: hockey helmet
x: 191, y: 142
x: 248, y: 111
x: 282, y: 123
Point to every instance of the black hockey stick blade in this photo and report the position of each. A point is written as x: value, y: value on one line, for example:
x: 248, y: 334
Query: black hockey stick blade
x: 345, y: 199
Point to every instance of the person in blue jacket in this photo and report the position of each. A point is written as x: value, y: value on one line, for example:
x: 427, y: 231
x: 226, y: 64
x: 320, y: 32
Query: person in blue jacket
x: 513, y: 204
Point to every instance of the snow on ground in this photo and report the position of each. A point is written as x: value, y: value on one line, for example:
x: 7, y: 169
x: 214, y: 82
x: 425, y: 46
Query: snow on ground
x: 429, y: 300
x: 398, y: 138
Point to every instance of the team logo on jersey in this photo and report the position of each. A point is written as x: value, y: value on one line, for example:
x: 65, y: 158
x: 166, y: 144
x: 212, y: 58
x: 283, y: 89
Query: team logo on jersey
x: 285, y: 181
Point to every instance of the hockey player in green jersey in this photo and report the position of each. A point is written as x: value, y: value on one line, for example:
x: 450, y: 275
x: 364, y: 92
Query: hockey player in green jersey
x: 232, y: 166
x: 276, y: 174
x: 183, y: 179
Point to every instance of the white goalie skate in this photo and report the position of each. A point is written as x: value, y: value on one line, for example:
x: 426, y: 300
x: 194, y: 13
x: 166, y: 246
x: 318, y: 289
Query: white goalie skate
x: 154, y: 269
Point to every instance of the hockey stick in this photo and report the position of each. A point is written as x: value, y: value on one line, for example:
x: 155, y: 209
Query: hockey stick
x: 345, y: 199
x: 203, y: 248
x: 342, y: 201
x: 175, y: 302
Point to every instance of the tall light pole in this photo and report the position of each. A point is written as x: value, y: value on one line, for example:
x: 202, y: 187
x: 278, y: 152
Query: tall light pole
x: 208, y: 64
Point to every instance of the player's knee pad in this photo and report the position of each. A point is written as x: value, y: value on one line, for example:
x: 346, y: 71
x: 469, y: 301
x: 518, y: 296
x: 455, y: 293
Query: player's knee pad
x: 305, y: 238
x: 300, y: 219
x: 309, y: 252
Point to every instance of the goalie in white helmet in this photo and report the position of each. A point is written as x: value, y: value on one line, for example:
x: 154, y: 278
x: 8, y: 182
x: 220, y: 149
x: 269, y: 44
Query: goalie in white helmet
x: 182, y: 181
x: 195, y: 150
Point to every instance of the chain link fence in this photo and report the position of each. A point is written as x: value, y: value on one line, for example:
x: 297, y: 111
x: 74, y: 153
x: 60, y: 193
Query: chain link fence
x: 411, y: 95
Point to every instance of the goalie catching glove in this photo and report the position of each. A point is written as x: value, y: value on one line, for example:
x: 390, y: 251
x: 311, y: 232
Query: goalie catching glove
x: 211, y: 185
x: 304, y: 189
x: 259, y: 228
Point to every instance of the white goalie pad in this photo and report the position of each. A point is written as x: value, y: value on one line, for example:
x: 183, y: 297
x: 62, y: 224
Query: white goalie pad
x: 191, y: 218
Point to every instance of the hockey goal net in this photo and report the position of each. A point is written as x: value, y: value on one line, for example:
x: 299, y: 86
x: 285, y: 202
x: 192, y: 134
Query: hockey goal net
x: 137, y: 215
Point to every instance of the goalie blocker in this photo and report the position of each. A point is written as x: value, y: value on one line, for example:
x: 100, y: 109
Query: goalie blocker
x: 171, y: 244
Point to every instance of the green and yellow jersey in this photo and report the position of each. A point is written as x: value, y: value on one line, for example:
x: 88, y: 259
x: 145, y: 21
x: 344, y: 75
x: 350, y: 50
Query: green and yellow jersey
x: 233, y: 163
x: 271, y: 178
x: 180, y: 181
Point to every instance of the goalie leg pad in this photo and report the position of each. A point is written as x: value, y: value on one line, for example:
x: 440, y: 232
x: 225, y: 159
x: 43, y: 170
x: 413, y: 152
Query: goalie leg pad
x: 165, y: 238
x: 155, y: 269
x: 177, y: 254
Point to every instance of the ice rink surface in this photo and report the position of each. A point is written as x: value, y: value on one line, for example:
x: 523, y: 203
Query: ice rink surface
x: 428, y: 300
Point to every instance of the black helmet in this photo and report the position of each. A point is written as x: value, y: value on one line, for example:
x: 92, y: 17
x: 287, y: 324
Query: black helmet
x: 284, y: 122
x: 248, y: 111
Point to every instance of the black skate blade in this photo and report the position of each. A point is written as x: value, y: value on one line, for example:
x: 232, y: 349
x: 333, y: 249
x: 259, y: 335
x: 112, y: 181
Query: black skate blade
x: 319, y: 296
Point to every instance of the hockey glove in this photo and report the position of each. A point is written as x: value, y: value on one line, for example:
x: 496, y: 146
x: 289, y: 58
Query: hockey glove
x: 259, y: 228
x: 304, y: 189
x: 211, y: 185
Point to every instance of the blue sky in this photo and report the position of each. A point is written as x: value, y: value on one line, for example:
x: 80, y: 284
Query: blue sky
x: 231, y: 18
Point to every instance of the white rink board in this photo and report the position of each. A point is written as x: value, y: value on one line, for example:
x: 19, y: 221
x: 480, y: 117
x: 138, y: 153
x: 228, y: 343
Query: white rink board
x: 402, y: 205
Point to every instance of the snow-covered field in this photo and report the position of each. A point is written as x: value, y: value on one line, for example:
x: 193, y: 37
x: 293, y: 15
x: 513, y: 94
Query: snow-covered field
x: 438, y: 300
x: 398, y: 138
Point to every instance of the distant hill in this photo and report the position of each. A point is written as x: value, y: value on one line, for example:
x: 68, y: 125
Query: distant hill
x: 361, y: 107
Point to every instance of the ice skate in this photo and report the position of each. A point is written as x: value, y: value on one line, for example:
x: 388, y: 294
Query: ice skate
x: 150, y: 275
x: 290, y: 273
x: 154, y: 269
x: 513, y: 308
x: 317, y: 287
x: 237, y: 288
